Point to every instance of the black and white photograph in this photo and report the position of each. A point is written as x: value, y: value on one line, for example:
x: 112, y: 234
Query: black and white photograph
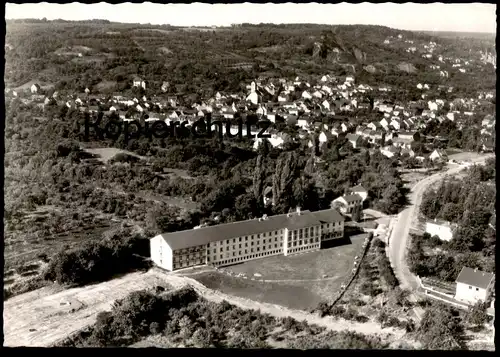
x: 279, y: 176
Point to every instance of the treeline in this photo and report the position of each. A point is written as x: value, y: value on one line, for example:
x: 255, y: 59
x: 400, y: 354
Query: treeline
x: 471, y: 204
x: 184, y: 317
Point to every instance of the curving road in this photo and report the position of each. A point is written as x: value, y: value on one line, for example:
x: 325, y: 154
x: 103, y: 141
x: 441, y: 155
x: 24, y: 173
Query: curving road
x: 399, y: 238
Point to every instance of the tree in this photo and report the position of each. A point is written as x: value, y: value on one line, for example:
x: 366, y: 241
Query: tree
x: 202, y: 338
x: 441, y: 328
x: 477, y: 314
x: 356, y: 213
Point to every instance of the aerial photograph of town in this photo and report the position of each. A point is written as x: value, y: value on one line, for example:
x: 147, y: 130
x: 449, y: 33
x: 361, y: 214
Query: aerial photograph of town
x: 250, y: 176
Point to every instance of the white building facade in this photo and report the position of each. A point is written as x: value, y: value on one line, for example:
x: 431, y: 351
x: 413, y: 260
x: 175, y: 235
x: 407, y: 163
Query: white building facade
x: 232, y: 243
x: 474, y: 285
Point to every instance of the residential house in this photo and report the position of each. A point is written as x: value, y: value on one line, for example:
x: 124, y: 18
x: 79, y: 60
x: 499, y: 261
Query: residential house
x: 474, y: 285
x: 377, y: 136
x: 360, y: 190
x: 35, y: 88
x: 303, y: 123
x: 389, y: 151
x: 306, y: 95
x: 375, y: 126
x: 282, y: 98
x: 354, y: 139
x: 442, y: 229
x: 408, y: 135
x: 317, y: 94
x: 432, y: 105
x: 322, y: 138
x: 138, y: 82
x: 348, y: 202
x: 346, y: 126
x: 395, y: 123
x: 438, y: 155
x: 384, y: 123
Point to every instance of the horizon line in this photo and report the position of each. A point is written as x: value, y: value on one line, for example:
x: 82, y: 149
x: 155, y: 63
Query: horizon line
x: 246, y: 23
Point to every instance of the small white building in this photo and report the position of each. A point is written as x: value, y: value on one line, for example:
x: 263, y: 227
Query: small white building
x: 348, y: 202
x: 306, y: 95
x: 138, y: 82
x: 35, y: 88
x: 473, y: 285
x: 444, y: 230
x: 438, y: 155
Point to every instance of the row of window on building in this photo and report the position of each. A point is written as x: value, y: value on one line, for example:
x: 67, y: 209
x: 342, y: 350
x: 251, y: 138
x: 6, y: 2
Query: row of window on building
x: 248, y: 257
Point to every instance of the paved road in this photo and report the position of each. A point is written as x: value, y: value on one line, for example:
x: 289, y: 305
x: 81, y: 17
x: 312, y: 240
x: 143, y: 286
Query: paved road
x: 398, y: 241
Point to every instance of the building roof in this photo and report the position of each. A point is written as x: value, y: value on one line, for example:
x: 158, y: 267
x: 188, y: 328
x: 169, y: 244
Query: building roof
x: 352, y: 137
x: 352, y: 197
x: 358, y: 188
x: 201, y: 236
x: 475, y: 277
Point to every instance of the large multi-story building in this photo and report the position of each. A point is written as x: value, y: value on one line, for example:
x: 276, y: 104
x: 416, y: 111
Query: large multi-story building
x: 231, y: 243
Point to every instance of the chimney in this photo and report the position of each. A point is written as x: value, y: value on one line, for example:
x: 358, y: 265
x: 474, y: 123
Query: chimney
x: 298, y: 210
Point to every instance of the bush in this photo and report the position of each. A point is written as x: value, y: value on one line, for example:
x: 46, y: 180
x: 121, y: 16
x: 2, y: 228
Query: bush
x: 361, y: 318
x: 377, y: 243
x: 98, y: 261
x: 337, y: 311
x: 386, y: 271
x: 477, y: 314
x: 349, y: 314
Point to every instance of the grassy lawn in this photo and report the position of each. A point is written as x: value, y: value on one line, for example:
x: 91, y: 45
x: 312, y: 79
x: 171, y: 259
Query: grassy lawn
x: 313, y: 265
x: 334, y: 262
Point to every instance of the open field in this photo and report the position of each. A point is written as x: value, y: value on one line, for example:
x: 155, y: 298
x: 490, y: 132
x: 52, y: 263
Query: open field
x: 105, y: 154
x: 298, y: 282
x: 43, y: 317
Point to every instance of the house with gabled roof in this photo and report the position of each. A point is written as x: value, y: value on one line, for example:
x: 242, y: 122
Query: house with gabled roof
x: 474, y: 285
x: 35, y: 88
x: 139, y: 82
x: 360, y: 190
x: 438, y: 154
x: 354, y: 139
x: 348, y: 202
x: 389, y: 151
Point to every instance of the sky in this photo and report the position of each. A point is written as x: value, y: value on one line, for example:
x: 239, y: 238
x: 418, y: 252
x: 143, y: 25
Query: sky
x: 471, y: 17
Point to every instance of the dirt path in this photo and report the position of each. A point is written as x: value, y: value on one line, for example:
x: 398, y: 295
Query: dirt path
x: 44, y: 317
